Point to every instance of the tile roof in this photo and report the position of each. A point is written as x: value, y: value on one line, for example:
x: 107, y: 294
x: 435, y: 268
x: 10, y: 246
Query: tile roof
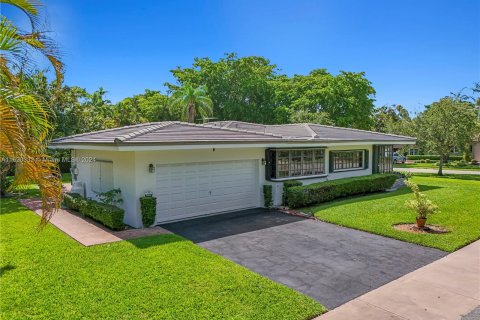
x: 171, y: 132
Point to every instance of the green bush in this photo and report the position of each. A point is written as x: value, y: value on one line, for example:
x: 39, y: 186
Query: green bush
x: 289, y: 184
x: 108, y: 215
x: 148, y: 206
x: 73, y: 200
x: 431, y: 157
x: 326, y: 191
x: 458, y: 164
x: 267, y: 195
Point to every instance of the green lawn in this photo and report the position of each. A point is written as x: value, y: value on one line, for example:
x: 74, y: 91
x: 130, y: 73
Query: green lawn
x: 457, y: 196
x: 47, y: 275
x: 433, y: 166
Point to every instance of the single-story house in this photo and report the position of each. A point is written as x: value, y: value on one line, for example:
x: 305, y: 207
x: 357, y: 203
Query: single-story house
x: 196, y: 170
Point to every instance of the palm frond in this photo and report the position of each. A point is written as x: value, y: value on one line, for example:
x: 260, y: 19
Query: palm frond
x: 29, y: 7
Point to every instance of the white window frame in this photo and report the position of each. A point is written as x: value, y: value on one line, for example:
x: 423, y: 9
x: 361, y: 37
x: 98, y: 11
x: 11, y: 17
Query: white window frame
x: 290, y: 177
x: 362, y: 167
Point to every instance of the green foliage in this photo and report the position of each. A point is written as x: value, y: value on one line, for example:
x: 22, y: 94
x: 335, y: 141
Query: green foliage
x: 267, y: 195
x: 311, y: 117
x: 420, y: 204
x: 457, y: 195
x: 289, y: 184
x: 240, y: 88
x: 192, y: 101
x: 48, y: 275
x: 347, y: 98
x: 111, y: 197
x: 148, y: 206
x: 431, y: 157
x: 446, y: 124
x: 333, y: 189
x: 108, y: 215
x: 73, y: 201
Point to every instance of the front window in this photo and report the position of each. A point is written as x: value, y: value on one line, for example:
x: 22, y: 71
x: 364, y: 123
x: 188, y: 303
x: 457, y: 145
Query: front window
x: 284, y: 164
x: 347, y: 160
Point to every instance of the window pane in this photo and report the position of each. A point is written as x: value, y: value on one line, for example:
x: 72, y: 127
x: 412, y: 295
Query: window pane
x: 344, y: 160
x: 300, y: 162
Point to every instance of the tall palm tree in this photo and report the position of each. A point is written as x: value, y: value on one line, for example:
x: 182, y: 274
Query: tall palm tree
x: 24, y: 121
x: 193, y: 100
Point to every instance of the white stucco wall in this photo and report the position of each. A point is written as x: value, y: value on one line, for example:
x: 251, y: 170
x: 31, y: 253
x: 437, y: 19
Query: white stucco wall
x: 131, y: 174
x: 123, y: 177
x: 476, y: 150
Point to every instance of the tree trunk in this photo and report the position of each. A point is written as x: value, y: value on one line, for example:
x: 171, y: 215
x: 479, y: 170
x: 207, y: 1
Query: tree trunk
x: 191, y: 112
x: 440, y: 166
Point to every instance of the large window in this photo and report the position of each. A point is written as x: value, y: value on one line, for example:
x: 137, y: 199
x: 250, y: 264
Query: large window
x: 382, y: 158
x: 284, y: 164
x: 347, y: 160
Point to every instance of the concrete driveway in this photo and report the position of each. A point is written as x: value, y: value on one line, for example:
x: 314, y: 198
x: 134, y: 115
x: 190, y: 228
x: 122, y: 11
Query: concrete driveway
x: 329, y: 263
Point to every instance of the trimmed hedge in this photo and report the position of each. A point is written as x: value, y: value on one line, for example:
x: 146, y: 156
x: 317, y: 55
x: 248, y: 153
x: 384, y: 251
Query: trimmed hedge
x: 108, y: 215
x: 326, y: 191
x: 267, y: 195
x: 432, y: 157
x: 148, y: 206
x: 73, y: 200
x: 289, y: 184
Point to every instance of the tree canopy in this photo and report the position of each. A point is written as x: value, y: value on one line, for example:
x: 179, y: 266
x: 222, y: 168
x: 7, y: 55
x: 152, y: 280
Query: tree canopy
x: 446, y: 124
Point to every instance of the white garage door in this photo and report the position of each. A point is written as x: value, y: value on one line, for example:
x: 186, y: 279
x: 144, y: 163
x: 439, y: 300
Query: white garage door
x: 195, y: 189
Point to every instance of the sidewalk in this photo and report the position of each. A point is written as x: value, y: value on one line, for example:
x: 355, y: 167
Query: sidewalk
x: 448, y: 288
x: 87, y: 231
x: 448, y: 171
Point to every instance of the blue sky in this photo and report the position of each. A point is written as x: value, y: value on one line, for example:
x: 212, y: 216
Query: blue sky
x: 414, y: 52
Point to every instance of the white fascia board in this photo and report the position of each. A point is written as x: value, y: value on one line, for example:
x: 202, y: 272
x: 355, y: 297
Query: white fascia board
x: 227, y: 145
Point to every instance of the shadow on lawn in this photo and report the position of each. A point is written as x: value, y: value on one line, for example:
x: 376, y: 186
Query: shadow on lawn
x: 366, y: 198
x: 155, y: 240
x: 5, y: 268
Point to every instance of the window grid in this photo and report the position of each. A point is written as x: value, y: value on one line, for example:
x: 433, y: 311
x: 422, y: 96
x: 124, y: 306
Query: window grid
x: 299, y: 163
x: 347, y: 160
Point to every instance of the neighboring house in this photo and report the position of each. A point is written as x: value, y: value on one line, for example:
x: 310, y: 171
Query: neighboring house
x: 476, y: 149
x: 196, y: 170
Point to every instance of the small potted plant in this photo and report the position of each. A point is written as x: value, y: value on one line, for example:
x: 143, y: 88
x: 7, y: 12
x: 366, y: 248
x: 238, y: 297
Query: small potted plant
x: 422, y: 206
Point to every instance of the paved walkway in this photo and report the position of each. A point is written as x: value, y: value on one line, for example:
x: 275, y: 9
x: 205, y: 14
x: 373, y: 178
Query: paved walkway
x: 447, y: 171
x: 448, y: 288
x: 87, y: 231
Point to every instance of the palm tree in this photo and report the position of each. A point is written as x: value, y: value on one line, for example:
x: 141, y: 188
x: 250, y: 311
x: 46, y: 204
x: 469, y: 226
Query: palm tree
x: 193, y: 100
x: 24, y: 121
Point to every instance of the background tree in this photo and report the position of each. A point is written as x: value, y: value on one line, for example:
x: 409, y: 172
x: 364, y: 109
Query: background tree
x: 446, y: 124
x: 240, y: 88
x: 311, y: 117
x: 24, y: 120
x: 347, y: 98
x: 193, y: 101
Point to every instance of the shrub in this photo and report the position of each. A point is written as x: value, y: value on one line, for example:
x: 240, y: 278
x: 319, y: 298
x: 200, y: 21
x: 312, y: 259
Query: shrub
x: 421, y: 205
x: 73, y: 200
x: 431, y: 157
x: 111, y: 197
x: 108, y: 215
x: 267, y: 195
x: 326, y: 191
x: 460, y: 163
x: 289, y: 184
x: 148, y: 206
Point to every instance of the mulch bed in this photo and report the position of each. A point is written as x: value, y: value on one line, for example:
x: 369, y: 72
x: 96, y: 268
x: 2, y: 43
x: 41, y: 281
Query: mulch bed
x: 412, y: 228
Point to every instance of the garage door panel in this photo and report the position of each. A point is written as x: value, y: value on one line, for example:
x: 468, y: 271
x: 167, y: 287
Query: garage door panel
x: 189, y: 190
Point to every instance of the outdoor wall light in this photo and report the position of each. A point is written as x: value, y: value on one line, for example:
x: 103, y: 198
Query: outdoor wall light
x: 151, y: 168
x: 264, y: 162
